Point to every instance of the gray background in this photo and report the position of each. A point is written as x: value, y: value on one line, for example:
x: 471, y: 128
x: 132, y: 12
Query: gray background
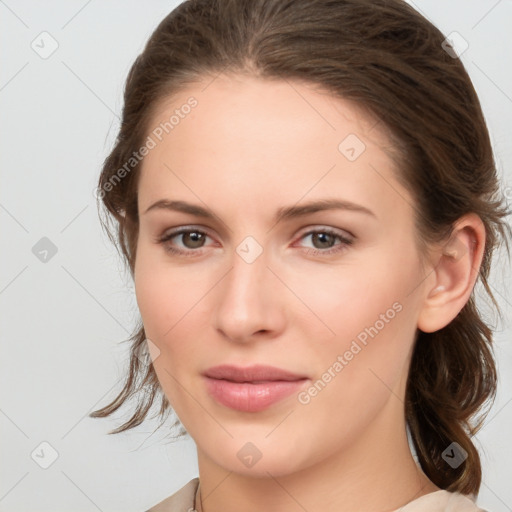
x: 63, y: 319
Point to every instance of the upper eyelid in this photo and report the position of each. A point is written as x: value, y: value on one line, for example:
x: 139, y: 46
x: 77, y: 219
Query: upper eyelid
x: 177, y: 230
x: 322, y: 227
x: 307, y: 229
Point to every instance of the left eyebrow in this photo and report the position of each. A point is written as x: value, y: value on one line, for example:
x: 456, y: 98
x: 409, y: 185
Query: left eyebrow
x: 317, y: 206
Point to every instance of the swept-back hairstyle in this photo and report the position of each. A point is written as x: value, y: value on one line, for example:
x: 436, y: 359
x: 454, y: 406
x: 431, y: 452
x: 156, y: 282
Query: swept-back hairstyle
x: 391, y: 61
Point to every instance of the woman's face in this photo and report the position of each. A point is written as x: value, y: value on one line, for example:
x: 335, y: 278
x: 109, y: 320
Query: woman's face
x: 272, y: 272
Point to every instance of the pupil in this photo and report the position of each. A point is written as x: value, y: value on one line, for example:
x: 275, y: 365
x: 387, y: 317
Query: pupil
x: 195, y: 238
x: 324, y: 238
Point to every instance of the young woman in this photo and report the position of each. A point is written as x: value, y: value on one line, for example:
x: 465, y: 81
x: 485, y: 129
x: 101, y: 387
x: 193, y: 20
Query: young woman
x: 305, y: 194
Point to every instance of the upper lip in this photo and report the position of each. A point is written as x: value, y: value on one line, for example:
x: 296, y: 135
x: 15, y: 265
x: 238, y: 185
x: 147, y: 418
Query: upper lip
x: 251, y: 373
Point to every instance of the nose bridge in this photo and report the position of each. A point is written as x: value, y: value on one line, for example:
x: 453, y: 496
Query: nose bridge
x: 244, y: 277
x: 245, y: 283
x: 246, y: 304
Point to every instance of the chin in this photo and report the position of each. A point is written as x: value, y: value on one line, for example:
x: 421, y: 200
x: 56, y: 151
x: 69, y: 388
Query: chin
x: 259, y: 459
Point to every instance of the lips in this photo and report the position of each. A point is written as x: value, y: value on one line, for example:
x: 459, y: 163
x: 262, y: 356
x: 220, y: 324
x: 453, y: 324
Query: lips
x: 251, y: 389
x: 254, y: 374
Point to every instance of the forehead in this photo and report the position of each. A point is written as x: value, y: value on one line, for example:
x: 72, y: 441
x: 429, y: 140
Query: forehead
x: 238, y: 106
x: 277, y: 139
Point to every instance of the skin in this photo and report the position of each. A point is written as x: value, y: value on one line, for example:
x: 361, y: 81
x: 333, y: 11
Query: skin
x: 247, y: 149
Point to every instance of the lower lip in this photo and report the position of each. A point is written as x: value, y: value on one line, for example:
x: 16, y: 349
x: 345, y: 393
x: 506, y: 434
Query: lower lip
x: 248, y: 397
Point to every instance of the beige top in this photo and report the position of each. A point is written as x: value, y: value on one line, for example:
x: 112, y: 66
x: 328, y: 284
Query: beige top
x: 186, y: 499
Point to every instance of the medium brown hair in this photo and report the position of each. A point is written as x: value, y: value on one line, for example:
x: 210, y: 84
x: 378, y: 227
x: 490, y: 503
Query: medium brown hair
x: 387, y: 58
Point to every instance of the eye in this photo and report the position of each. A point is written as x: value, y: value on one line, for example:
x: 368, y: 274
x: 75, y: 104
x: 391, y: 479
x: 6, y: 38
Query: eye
x: 192, y: 240
x: 188, y: 241
x: 324, y: 241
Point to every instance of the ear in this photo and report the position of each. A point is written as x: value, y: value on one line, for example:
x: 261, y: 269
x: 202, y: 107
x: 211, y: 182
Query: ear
x: 454, y: 274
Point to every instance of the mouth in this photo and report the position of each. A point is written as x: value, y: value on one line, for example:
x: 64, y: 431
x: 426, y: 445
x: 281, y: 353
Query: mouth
x: 253, y: 388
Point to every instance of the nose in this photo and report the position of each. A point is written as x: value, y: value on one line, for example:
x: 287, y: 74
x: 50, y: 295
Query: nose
x: 249, y: 302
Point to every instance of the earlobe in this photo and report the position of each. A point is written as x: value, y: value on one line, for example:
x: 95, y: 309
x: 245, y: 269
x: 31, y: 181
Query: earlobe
x: 456, y: 271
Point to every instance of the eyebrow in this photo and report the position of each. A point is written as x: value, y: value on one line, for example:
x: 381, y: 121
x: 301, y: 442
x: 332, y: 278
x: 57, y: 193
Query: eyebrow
x: 284, y: 213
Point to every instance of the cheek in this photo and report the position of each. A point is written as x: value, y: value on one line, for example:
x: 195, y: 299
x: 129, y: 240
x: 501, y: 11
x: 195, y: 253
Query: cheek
x: 170, y: 300
x: 362, y: 320
x: 152, y: 299
x: 342, y: 301
x: 359, y: 368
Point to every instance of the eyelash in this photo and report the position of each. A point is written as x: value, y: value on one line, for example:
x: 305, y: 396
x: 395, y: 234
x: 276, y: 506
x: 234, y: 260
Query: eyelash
x: 337, y: 248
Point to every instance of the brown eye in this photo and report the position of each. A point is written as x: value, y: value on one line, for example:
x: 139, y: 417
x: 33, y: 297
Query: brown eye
x: 193, y: 239
x: 326, y: 242
x: 186, y: 242
x: 322, y: 240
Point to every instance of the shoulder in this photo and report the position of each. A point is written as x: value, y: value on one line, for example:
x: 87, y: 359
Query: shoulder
x: 442, y: 501
x: 182, y: 500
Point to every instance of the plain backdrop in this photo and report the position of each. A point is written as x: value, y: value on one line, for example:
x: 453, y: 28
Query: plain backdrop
x: 66, y: 302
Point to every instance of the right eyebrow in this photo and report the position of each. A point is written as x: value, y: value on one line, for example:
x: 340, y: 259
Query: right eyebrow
x: 181, y: 206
